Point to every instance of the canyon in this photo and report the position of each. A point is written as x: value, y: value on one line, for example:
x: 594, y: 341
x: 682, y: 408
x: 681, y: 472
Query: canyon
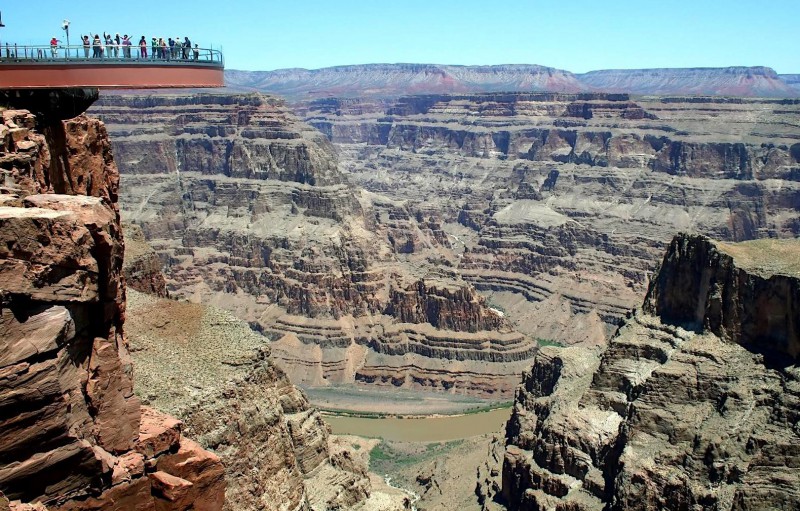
x: 76, y: 434
x: 247, y: 208
x: 561, y: 204
x: 429, y: 242
x: 498, y: 215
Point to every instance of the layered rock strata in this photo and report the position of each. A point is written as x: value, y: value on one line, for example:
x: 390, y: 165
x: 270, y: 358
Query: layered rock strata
x: 211, y: 370
x: 387, y: 80
x: 142, y: 267
x: 694, y: 404
x: 74, y: 435
x: 556, y: 206
x: 792, y: 81
x: 755, y: 81
x: 248, y: 209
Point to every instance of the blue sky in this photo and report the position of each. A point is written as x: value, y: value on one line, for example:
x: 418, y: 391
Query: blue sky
x: 576, y: 35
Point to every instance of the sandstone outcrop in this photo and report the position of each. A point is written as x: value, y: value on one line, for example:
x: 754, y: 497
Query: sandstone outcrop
x: 247, y: 208
x: 142, y: 267
x: 74, y: 435
x: 744, y: 293
x: 693, y: 405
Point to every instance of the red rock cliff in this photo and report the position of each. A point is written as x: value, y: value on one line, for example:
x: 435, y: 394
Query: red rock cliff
x: 72, y: 433
x: 693, y: 405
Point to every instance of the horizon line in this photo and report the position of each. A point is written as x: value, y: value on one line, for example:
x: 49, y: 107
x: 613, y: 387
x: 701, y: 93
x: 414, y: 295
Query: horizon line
x: 693, y: 68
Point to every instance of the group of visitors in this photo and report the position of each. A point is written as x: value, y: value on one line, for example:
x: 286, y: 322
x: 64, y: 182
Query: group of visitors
x: 107, y: 47
x: 112, y: 47
x: 170, y: 49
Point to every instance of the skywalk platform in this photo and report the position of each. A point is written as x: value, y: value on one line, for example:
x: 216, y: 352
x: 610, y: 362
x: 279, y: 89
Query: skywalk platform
x: 42, y: 67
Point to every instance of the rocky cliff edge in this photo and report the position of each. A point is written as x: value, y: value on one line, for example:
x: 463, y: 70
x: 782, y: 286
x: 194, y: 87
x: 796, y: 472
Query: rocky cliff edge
x: 74, y: 435
x: 695, y: 404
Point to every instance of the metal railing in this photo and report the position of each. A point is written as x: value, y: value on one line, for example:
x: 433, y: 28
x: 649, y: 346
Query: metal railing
x: 111, y: 54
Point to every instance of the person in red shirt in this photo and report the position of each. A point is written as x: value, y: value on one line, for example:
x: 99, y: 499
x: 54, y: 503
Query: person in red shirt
x: 54, y: 47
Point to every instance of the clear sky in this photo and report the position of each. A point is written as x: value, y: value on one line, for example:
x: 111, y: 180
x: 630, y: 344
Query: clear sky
x: 576, y: 35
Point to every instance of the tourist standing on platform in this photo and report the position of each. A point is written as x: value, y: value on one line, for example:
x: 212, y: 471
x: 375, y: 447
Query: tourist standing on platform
x: 54, y: 47
x: 142, y: 48
x: 109, y: 45
x: 196, y: 52
x: 126, y: 46
x: 86, y: 45
x: 187, y: 45
x: 117, y: 44
x: 97, y: 47
x: 164, y: 48
x: 153, y: 48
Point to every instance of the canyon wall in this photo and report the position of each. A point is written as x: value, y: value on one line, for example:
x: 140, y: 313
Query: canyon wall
x: 557, y: 205
x: 693, y: 404
x: 74, y: 434
x: 142, y: 267
x: 362, y: 258
x: 792, y: 81
x: 247, y: 209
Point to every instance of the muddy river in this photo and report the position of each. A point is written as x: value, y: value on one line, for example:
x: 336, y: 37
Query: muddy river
x: 428, y: 429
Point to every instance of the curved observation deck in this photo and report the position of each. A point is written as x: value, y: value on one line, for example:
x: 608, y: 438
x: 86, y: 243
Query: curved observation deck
x: 64, y: 67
